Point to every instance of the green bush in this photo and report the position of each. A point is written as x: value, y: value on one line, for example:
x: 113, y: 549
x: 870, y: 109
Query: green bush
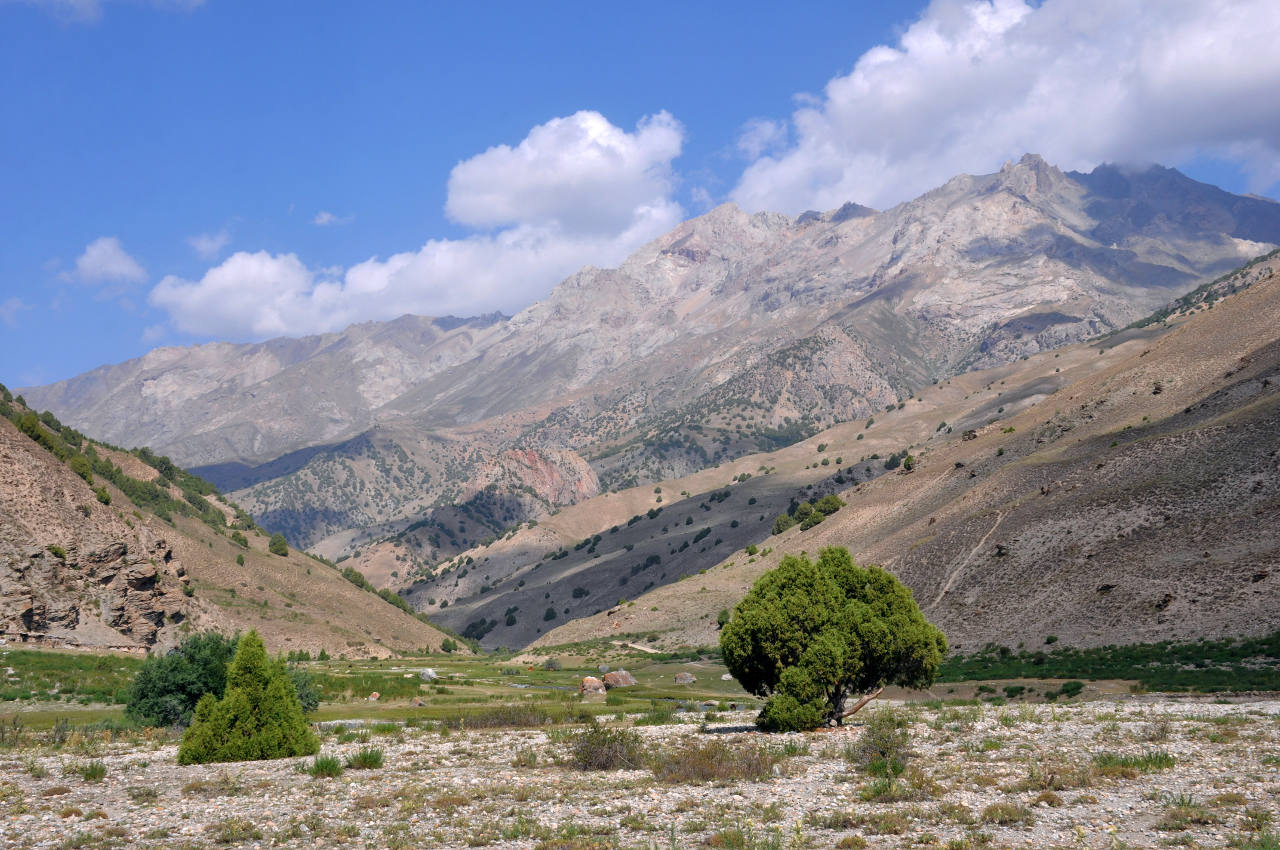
x: 102, y: 495
x: 883, y: 748
x: 602, y: 748
x: 278, y: 545
x: 829, y: 504
x: 809, y: 635
x: 259, y: 717
x: 239, y: 539
x: 783, y: 522
x: 307, y: 689
x: 167, y: 687
x: 80, y: 466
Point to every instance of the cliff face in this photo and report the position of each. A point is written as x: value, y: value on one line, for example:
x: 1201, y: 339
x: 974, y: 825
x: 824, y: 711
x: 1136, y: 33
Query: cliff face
x: 758, y: 329
x: 72, y: 569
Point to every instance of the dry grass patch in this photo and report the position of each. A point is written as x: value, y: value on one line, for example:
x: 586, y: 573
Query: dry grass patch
x: 714, y: 761
x: 1007, y: 814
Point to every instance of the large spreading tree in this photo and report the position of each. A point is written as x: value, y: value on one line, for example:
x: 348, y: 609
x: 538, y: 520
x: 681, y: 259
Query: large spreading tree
x: 809, y: 635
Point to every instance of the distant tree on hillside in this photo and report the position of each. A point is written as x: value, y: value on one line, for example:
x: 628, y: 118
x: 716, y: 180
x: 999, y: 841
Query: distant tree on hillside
x: 278, y: 545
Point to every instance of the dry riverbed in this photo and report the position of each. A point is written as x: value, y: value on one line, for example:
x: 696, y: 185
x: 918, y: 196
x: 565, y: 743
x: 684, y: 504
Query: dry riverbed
x: 1142, y: 772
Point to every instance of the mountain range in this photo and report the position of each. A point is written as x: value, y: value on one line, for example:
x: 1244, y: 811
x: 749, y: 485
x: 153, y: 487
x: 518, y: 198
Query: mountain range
x: 409, y: 445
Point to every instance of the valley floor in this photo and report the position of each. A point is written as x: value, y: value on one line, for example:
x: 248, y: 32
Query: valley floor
x: 1135, y: 772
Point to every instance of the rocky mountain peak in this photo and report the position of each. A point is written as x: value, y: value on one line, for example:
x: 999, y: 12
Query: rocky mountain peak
x: 1029, y: 175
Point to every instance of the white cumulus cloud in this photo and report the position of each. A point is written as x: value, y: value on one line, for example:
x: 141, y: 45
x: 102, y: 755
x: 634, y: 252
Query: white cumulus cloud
x: 576, y: 191
x: 105, y: 261
x: 209, y: 245
x: 971, y: 84
x: 581, y: 173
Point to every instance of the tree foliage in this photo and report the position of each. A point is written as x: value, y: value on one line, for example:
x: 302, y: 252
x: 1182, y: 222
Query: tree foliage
x: 278, y: 545
x: 809, y: 635
x: 259, y: 716
x: 167, y: 687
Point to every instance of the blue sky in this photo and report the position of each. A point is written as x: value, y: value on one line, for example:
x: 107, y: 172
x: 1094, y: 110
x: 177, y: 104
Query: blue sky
x: 177, y: 171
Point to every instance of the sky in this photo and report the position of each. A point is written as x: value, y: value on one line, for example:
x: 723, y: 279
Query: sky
x: 174, y: 172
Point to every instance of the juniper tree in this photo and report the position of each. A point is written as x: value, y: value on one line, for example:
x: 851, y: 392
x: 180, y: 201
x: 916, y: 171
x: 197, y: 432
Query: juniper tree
x: 259, y: 716
x: 810, y: 635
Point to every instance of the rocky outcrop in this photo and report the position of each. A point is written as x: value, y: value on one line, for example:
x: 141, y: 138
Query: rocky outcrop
x: 71, y: 570
x: 559, y: 476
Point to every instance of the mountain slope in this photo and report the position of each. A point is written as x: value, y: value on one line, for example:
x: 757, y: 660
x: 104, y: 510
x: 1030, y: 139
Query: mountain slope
x: 83, y: 564
x: 1137, y: 502
x: 760, y: 329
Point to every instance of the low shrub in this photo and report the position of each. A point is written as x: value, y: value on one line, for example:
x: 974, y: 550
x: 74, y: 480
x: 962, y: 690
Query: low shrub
x: 1007, y: 814
x: 1129, y: 767
x: 712, y: 761
x: 325, y: 767
x: 93, y: 771
x: 367, y: 758
x: 602, y: 748
x: 884, y: 747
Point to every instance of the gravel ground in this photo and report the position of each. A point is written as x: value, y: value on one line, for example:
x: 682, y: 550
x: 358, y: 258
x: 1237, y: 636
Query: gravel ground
x: 1211, y: 776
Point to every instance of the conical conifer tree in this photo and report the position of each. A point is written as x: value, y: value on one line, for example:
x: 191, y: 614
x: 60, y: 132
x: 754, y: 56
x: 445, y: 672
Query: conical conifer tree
x: 259, y: 716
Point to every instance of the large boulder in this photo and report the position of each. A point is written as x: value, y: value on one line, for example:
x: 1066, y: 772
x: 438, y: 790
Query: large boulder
x: 683, y: 678
x: 619, y: 679
x: 591, y: 686
x: 427, y: 675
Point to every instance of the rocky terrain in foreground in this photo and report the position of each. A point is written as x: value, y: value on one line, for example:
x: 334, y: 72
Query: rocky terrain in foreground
x: 1134, y: 772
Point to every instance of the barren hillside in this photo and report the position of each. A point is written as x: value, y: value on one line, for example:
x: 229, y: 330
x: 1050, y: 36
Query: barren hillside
x: 82, y: 565
x: 1136, y: 501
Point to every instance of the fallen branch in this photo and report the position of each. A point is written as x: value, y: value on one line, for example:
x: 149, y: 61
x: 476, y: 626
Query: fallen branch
x: 860, y: 703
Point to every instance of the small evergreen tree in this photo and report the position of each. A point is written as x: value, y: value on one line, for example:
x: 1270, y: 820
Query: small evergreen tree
x: 278, y: 545
x: 809, y: 635
x: 259, y: 717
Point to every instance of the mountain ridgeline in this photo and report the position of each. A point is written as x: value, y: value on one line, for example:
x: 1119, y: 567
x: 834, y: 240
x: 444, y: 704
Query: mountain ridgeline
x: 418, y: 446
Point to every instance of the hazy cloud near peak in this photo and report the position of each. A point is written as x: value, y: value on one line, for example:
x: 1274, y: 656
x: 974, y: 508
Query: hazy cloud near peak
x: 536, y: 190
x: 105, y: 261
x: 972, y: 84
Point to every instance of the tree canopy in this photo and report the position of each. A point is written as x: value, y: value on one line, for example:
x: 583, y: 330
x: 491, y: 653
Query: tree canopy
x: 809, y: 635
x: 259, y: 716
x: 277, y: 545
x: 167, y: 687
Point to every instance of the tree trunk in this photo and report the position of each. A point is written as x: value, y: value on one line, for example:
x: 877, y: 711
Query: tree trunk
x: 857, y: 706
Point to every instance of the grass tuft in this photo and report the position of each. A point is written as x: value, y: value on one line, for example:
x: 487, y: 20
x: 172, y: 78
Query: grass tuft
x: 325, y: 767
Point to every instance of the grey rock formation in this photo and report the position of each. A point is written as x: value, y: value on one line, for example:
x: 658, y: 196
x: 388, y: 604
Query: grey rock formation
x: 783, y: 325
